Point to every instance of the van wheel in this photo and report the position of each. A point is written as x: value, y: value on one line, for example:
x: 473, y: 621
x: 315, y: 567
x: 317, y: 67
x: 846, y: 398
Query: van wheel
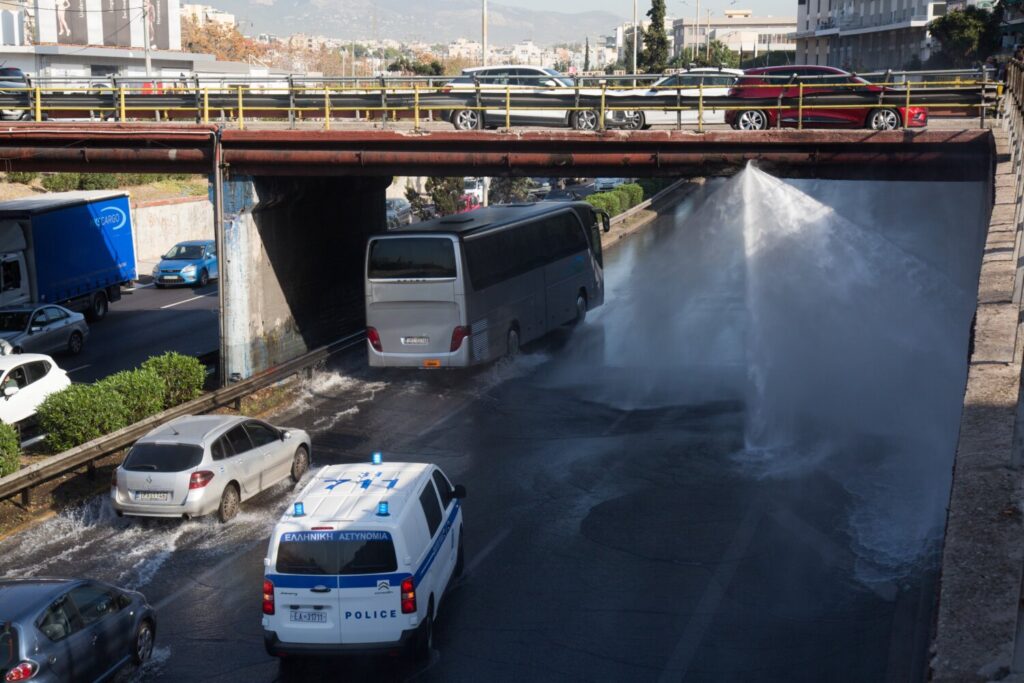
x: 98, y: 308
x: 513, y: 343
x: 425, y: 638
x: 460, y: 559
x: 300, y: 463
x: 75, y: 343
x: 581, y: 309
x: 229, y: 503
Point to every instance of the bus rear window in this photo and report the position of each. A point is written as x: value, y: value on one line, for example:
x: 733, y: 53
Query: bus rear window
x: 411, y: 257
x: 336, y: 553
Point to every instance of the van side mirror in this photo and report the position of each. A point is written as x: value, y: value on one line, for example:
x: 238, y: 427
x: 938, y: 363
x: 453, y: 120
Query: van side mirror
x: 606, y: 221
x: 459, y: 491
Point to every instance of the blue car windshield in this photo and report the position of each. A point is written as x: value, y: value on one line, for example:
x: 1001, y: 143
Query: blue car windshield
x: 185, y: 252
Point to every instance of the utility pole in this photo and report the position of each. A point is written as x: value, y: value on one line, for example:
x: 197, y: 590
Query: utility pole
x: 634, y: 41
x: 146, y: 37
x: 483, y: 31
x: 696, y: 34
x: 707, y: 38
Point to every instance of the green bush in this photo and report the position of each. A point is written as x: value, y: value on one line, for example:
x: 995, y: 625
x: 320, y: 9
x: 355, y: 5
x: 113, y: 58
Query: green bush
x: 636, y: 193
x: 132, y: 179
x: 606, y: 201
x: 142, y: 390
x: 23, y: 177
x: 80, y: 413
x: 625, y: 198
x: 183, y: 376
x: 652, y: 186
x: 98, y: 181
x: 61, y: 182
x: 10, y: 449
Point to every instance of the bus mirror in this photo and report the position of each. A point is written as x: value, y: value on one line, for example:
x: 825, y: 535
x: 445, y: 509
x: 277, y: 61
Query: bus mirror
x: 606, y: 222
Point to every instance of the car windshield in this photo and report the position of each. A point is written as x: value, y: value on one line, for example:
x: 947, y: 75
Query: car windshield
x: 185, y: 252
x: 470, y: 185
x: 13, y: 321
x: 163, y: 457
x: 8, y: 646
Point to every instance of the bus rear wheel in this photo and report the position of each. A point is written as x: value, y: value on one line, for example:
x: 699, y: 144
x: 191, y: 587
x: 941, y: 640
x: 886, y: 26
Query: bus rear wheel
x: 581, y: 309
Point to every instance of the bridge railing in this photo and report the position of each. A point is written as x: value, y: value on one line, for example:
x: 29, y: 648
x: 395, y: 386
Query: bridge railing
x: 610, y: 102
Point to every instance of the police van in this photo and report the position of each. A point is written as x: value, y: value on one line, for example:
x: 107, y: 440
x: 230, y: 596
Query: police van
x: 361, y: 559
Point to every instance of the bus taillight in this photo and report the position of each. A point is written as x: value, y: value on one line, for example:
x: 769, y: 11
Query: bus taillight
x: 458, y: 334
x: 373, y: 337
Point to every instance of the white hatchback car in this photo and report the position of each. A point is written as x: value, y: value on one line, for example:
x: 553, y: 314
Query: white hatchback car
x: 26, y: 380
x: 708, y: 82
x: 198, y: 464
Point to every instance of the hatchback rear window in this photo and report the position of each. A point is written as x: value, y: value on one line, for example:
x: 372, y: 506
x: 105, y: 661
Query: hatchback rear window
x: 336, y: 552
x: 163, y: 457
x: 8, y: 646
x: 411, y: 257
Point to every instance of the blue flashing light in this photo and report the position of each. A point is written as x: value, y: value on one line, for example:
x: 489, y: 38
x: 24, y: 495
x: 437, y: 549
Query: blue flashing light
x: 382, y: 509
x: 300, y: 510
x: 378, y: 458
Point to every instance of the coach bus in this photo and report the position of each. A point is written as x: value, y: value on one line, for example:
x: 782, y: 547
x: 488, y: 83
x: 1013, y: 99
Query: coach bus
x: 466, y: 289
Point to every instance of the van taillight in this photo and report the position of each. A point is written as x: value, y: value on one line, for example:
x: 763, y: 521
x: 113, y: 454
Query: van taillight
x: 200, y: 479
x: 268, y: 597
x: 408, y: 596
x: 373, y: 337
x: 458, y: 334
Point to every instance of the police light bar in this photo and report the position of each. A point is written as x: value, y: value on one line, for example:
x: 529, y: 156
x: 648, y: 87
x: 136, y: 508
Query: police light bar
x: 377, y: 457
x: 382, y: 509
x: 300, y: 510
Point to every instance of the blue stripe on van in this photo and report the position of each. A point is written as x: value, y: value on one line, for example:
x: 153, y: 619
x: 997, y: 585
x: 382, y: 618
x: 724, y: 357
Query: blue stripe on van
x: 436, y: 548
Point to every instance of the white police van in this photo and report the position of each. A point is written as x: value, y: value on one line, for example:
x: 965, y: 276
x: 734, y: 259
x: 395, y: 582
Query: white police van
x: 361, y: 560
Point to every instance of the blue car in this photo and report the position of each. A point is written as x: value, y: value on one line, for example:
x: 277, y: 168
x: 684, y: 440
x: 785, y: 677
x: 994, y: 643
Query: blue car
x: 187, y: 263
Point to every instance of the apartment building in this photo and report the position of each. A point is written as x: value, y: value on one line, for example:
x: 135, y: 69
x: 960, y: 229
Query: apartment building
x: 739, y: 30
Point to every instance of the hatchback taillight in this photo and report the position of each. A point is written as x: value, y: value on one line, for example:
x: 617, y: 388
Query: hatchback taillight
x: 408, y: 596
x: 458, y: 334
x: 373, y: 337
x: 268, y: 597
x: 200, y: 479
x: 113, y: 479
x: 22, y: 672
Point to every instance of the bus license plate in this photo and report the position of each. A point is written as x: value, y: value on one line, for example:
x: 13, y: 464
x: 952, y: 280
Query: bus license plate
x: 415, y: 341
x: 309, y: 617
x: 153, y: 496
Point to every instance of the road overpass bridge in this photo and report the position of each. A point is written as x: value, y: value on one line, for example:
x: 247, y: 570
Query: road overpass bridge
x: 294, y: 207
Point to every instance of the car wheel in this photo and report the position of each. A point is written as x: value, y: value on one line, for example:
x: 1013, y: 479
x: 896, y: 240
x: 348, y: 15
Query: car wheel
x: 142, y: 649
x: 229, y: 503
x: 581, y: 309
x: 425, y: 638
x: 300, y: 463
x: 585, y: 120
x: 75, y: 343
x: 204, y: 278
x: 99, y: 307
x: 884, y: 119
x: 751, y: 119
x: 513, y: 343
x: 466, y: 119
x: 635, y: 120
x: 17, y: 349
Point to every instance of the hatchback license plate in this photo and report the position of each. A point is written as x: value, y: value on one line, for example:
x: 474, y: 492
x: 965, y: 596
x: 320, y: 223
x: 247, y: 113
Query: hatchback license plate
x: 415, y: 341
x: 309, y: 617
x: 153, y: 496
x: 170, y: 278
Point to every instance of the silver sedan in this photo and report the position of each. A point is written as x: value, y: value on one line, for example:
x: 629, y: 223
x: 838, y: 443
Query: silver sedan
x: 199, y: 464
x: 43, y: 329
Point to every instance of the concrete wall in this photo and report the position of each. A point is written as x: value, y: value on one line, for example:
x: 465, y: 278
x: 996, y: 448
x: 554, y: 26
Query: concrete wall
x: 160, y: 225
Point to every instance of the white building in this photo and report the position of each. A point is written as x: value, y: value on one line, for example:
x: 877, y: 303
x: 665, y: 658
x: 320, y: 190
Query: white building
x: 526, y: 52
x: 465, y: 49
x: 865, y: 34
x: 204, y: 14
x: 739, y: 30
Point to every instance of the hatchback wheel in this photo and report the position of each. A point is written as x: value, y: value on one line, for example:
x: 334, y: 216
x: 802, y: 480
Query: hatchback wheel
x: 75, y: 343
x: 229, y: 503
x: 884, y: 119
x: 204, y: 278
x: 466, y: 119
x: 300, y: 463
x: 585, y: 120
x: 144, y: 638
x: 751, y: 119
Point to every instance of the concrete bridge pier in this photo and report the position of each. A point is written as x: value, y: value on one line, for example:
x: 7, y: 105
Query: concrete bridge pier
x: 291, y: 264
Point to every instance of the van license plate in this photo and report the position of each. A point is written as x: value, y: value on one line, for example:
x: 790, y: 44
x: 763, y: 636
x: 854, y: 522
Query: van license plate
x: 153, y: 496
x: 415, y: 341
x: 309, y: 617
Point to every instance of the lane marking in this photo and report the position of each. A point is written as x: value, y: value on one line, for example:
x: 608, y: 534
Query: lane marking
x: 139, y: 287
x: 443, y: 421
x: 707, y: 609
x: 80, y: 367
x: 195, y: 298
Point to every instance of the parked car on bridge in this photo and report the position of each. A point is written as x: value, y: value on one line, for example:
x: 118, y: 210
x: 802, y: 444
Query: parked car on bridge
x: 26, y: 379
x: 71, y: 629
x: 399, y: 212
x: 200, y: 464
x: 706, y: 81
x: 187, y: 263
x: 816, y: 80
x: 13, y: 81
x: 43, y: 329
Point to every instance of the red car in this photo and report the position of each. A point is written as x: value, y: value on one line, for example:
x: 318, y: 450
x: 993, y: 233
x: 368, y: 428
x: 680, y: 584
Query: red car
x: 816, y: 80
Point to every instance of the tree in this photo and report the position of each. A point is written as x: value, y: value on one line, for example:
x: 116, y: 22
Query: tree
x: 417, y: 68
x: 586, y: 56
x: 720, y: 55
x: 967, y: 36
x: 223, y: 42
x: 655, y: 53
x: 445, y: 196
x: 507, y: 190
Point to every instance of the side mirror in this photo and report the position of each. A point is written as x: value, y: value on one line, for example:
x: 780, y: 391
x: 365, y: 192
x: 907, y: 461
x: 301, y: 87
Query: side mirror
x: 459, y: 491
x: 10, y: 391
x: 606, y: 221
x: 285, y: 434
x: 34, y: 329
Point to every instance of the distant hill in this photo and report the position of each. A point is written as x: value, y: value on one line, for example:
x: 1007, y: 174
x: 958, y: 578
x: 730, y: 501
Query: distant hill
x: 430, y: 21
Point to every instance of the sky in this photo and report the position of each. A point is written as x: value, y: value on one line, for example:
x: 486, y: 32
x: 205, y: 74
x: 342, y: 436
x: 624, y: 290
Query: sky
x: 675, y: 8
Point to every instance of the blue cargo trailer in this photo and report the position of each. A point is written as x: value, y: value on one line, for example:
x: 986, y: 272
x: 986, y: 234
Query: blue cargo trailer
x: 70, y: 248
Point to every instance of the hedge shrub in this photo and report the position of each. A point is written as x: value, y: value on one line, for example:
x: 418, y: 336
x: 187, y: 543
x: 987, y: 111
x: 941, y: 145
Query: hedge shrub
x: 183, y: 376
x: 142, y: 390
x: 80, y: 413
x: 652, y: 186
x: 625, y: 198
x: 98, y: 181
x: 636, y: 193
x: 61, y: 182
x: 607, y: 201
x: 23, y: 177
x: 10, y: 449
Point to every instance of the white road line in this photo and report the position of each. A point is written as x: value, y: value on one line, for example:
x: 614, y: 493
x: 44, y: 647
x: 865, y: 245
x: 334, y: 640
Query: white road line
x: 487, y: 550
x: 80, y: 367
x: 139, y: 287
x: 178, y: 303
x: 705, y: 611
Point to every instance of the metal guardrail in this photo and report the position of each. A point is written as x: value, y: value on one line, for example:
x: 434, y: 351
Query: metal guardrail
x: 24, y: 480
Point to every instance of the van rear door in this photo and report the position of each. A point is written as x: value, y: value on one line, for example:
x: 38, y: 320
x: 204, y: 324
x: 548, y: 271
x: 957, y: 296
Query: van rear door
x: 371, y: 608
x: 305, y: 579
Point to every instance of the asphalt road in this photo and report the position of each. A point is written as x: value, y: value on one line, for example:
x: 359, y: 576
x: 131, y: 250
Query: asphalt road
x: 603, y: 541
x: 146, y: 323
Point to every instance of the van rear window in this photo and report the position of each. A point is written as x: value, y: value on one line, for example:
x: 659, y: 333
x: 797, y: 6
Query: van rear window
x: 336, y: 552
x: 411, y: 257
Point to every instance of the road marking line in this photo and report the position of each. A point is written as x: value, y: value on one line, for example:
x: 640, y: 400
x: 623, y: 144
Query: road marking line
x: 178, y: 303
x: 707, y: 609
x: 443, y: 421
x: 132, y: 289
x: 80, y: 367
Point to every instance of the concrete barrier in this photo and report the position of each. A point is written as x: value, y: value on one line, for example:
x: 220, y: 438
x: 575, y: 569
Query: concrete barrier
x: 159, y: 225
